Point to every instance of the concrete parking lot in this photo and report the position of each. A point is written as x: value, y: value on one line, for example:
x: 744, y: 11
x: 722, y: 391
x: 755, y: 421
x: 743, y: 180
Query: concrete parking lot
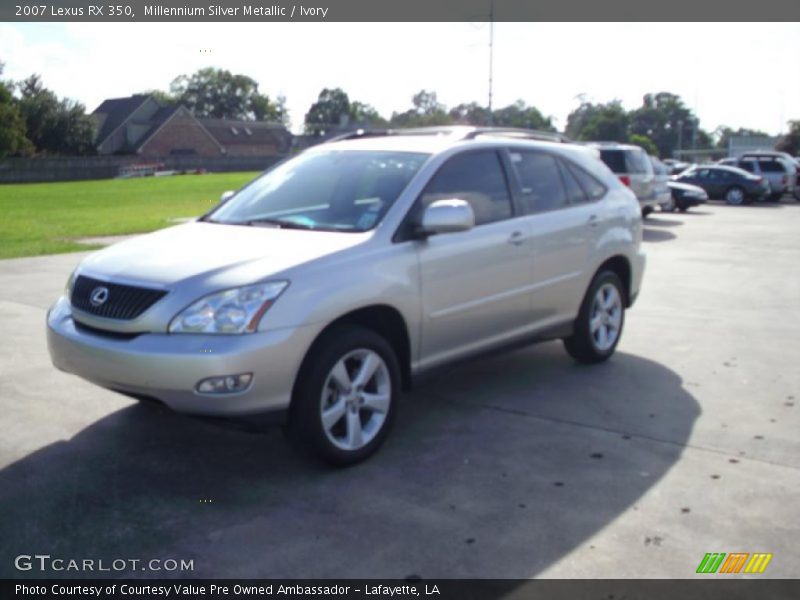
x: 520, y: 465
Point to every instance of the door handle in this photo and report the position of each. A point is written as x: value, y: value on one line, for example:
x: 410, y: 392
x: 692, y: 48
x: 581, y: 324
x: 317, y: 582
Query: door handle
x: 515, y: 239
x: 593, y: 221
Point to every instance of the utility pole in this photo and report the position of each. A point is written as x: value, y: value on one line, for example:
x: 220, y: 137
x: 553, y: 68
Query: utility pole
x: 491, y: 56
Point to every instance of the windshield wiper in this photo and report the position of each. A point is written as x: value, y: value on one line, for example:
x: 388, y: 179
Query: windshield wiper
x: 279, y: 223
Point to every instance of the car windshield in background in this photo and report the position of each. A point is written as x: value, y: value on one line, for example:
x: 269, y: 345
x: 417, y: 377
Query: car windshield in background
x: 329, y: 191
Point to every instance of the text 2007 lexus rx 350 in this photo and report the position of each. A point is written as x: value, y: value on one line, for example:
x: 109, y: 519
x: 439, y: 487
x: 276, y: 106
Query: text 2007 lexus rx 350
x: 319, y: 290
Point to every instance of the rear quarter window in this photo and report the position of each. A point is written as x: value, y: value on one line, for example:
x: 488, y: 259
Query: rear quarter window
x: 771, y: 166
x: 615, y: 160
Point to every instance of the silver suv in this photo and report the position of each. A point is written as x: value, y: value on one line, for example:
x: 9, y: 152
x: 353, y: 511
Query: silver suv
x: 322, y: 288
x: 632, y: 166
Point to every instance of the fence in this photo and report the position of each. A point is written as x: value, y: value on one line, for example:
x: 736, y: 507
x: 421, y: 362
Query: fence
x: 30, y: 170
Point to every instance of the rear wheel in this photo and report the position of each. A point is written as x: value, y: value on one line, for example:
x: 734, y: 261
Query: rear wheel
x: 345, y: 396
x: 735, y: 196
x: 600, y: 320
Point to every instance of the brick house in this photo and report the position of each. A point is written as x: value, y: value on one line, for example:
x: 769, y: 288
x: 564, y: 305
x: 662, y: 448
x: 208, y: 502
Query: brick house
x: 141, y: 125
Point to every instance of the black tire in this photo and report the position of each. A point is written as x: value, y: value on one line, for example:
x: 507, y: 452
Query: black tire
x: 775, y: 197
x: 582, y: 345
x: 681, y: 205
x: 305, y: 424
x: 735, y: 196
x: 646, y: 211
x: 683, y: 208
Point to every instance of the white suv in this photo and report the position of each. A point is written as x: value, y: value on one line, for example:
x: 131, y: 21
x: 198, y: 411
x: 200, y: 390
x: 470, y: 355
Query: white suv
x: 322, y: 288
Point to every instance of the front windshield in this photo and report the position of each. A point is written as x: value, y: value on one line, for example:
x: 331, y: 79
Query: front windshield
x: 335, y: 191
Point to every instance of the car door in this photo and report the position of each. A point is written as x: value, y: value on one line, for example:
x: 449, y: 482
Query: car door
x: 701, y: 178
x: 565, y: 222
x: 474, y: 284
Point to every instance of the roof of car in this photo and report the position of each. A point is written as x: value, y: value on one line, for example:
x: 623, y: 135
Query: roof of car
x: 437, y: 139
x: 614, y: 146
x: 727, y: 168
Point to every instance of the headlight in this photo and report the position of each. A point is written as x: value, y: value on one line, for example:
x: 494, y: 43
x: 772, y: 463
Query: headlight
x: 233, y: 311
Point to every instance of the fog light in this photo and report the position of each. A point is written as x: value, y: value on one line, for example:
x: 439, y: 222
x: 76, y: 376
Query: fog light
x: 228, y: 384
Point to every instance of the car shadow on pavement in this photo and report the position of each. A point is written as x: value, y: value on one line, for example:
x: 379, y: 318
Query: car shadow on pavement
x: 656, y: 235
x: 496, y: 468
x: 658, y: 220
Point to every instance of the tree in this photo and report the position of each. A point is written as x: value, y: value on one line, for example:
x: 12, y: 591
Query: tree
x: 366, y: 115
x: 331, y: 110
x: 521, y: 115
x: 665, y: 119
x: 54, y: 126
x: 470, y: 113
x: 220, y: 94
x: 791, y: 141
x: 644, y: 142
x: 12, y: 124
x: 599, y: 122
x: 427, y: 111
x: 163, y: 98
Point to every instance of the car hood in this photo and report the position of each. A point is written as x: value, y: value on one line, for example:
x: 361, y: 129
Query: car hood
x: 221, y: 255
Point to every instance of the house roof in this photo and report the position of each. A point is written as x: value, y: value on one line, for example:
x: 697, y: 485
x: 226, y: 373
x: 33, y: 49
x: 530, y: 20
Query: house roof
x: 115, y: 111
x: 232, y: 133
x: 156, y: 121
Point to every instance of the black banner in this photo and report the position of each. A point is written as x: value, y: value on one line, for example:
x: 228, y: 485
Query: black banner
x: 395, y: 10
x: 444, y: 589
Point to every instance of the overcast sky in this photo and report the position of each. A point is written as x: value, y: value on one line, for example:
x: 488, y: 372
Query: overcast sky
x: 736, y: 74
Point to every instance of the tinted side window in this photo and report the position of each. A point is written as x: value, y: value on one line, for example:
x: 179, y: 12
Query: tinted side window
x: 615, y: 160
x: 592, y: 187
x: 748, y: 165
x: 540, y: 181
x: 476, y: 177
x: 771, y: 166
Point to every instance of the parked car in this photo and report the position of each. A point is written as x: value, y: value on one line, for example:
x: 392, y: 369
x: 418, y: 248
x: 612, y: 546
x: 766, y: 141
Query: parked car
x: 776, y: 167
x: 686, y: 195
x: 327, y: 284
x: 731, y: 184
x: 676, y: 166
x: 632, y: 166
x: 660, y: 180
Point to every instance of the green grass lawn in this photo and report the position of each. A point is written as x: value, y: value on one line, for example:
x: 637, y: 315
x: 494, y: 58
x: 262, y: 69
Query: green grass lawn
x: 44, y: 218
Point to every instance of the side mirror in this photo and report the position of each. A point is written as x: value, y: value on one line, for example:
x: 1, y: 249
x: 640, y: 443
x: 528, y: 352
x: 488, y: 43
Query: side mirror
x: 226, y: 196
x: 447, y: 216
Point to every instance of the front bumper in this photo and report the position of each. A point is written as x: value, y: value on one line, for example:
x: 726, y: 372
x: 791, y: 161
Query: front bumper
x: 168, y: 367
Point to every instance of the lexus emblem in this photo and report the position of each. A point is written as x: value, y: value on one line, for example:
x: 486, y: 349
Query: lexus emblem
x: 99, y: 296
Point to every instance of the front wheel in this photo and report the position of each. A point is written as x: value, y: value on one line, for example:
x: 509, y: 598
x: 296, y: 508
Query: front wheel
x: 735, y: 196
x: 600, y: 320
x: 345, y: 396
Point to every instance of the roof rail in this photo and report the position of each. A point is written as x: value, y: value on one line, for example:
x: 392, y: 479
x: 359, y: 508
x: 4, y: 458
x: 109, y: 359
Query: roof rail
x: 463, y: 132
x: 518, y: 133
